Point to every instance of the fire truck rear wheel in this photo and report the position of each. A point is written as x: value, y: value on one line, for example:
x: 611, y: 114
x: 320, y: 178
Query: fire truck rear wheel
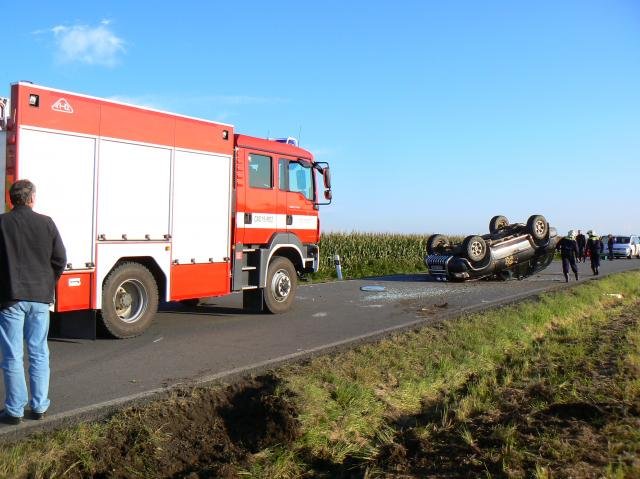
x: 129, y: 300
x: 282, y: 283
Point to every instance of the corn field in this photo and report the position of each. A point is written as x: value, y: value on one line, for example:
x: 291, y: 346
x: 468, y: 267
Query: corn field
x: 370, y: 254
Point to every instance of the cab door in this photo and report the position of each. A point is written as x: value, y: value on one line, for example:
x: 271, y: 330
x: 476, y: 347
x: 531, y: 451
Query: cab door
x: 296, y: 181
x: 257, y: 216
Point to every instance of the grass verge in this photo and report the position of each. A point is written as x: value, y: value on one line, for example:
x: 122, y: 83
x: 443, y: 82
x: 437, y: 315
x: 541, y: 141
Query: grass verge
x: 545, y: 388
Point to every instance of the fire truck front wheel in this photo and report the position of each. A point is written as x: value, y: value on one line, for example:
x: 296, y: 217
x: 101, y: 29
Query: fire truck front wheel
x: 129, y: 300
x: 282, y: 282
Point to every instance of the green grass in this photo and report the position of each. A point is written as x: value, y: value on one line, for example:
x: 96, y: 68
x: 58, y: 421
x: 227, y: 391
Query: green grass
x: 347, y: 401
x: 448, y: 387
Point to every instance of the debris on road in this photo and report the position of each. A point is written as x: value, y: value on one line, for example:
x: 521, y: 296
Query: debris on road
x: 373, y: 288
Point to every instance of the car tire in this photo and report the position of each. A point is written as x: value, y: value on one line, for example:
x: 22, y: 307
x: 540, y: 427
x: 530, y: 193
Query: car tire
x: 538, y: 227
x: 282, y: 282
x: 497, y: 223
x: 129, y: 300
x: 475, y: 248
x: 435, y: 243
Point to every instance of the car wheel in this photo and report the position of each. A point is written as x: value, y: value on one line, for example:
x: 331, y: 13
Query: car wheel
x: 537, y: 227
x: 436, y: 243
x: 129, y: 300
x: 282, y: 282
x: 475, y: 248
x: 497, y: 223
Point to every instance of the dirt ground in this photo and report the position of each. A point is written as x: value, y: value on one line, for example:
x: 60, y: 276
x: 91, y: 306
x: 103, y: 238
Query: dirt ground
x: 203, y: 434
x: 206, y: 433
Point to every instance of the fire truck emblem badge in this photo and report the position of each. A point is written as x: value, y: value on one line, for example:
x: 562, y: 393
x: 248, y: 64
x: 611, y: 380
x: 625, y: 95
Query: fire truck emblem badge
x: 62, y: 105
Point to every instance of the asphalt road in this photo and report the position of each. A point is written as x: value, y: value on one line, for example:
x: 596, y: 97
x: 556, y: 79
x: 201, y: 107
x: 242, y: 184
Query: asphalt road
x: 217, y: 341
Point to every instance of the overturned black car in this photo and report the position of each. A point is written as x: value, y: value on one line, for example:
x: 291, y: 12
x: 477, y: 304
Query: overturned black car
x: 509, y: 250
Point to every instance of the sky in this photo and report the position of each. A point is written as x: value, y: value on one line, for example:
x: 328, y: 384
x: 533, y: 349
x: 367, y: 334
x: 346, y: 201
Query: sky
x: 434, y: 116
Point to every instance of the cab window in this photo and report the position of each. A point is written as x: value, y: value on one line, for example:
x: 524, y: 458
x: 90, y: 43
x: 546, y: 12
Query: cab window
x: 260, y: 171
x: 283, y: 177
x: 300, y: 179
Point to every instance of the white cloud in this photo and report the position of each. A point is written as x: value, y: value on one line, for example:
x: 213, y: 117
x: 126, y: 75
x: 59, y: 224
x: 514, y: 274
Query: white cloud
x: 91, y: 45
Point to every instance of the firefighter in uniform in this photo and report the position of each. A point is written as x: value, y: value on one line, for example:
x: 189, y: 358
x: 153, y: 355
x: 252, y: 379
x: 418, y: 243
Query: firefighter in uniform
x: 595, y: 247
x: 568, y: 252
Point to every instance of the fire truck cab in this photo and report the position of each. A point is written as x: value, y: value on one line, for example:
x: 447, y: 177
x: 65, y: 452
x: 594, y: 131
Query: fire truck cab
x: 158, y: 207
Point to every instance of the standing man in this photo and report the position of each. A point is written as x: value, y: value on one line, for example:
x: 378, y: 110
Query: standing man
x: 595, y: 247
x: 581, y: 241
x: 32, y: 258
x: 568, y: 252
x: 610, y: 247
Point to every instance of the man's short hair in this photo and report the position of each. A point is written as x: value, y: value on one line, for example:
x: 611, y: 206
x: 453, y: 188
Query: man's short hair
x: 21, y: 192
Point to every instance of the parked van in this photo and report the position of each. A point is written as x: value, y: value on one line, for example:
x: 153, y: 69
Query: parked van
x: 623, y: 246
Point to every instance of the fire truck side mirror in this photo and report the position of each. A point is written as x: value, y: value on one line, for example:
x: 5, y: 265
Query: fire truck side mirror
x: 323, y: 167
x: 3, y: 113
x: 326, y: 175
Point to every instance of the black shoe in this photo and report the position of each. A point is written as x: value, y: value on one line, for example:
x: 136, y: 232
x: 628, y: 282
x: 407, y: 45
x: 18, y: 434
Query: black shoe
x: 38, y: 416
x: 9, y: 419
x: 576, y: 276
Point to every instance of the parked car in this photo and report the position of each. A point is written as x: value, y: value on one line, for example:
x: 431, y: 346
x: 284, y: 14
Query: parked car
x: 623, y: 246
x: 509, y: 250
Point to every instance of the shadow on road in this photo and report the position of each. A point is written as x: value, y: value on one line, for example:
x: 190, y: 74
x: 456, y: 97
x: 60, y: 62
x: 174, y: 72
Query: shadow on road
x: 202, y: 309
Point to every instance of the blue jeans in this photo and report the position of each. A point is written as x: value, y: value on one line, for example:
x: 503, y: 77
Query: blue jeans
x: 28, y: 321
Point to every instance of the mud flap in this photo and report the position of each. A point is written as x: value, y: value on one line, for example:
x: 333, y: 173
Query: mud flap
x: 253, y: 300
x: 73, y: 325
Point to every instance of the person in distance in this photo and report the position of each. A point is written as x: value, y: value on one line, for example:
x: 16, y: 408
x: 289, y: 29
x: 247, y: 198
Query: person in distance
x: 568, y: 252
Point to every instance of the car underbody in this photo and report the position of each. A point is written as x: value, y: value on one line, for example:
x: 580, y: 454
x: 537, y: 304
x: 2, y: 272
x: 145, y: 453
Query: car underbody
x: 508, y: 251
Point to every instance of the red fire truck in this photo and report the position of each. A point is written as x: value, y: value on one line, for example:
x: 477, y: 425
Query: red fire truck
x: 156, y: 207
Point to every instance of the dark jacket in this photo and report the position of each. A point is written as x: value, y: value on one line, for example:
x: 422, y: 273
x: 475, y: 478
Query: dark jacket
x: 32, y: 256
x: 568, y: 248
x: 581, y: 241
x: 595, y: 246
